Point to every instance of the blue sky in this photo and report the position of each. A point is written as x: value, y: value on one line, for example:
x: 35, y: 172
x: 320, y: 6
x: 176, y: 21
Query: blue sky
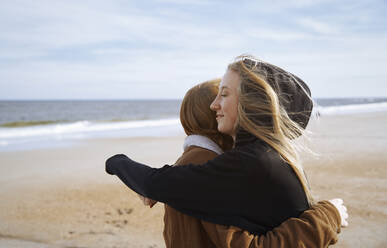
x: 159, y: 49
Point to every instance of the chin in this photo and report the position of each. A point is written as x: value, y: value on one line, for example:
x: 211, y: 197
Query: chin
x: 224, y: 130
x: 220, y: 129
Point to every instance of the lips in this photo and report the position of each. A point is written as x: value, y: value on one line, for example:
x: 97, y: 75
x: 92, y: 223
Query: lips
x: 218, y: 116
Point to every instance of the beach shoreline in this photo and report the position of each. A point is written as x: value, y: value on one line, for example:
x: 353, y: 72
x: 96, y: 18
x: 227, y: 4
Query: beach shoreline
x: 62, y: 197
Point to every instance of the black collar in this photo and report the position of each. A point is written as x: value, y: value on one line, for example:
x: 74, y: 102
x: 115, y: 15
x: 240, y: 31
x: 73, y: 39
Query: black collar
x: 243, y: 138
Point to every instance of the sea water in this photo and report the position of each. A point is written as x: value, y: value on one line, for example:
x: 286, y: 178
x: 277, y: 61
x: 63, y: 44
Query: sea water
x: 35, y: 124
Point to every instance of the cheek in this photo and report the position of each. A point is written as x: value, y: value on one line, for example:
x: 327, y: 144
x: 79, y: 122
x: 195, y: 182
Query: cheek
x: 234, y: 115
x: 233, y: 109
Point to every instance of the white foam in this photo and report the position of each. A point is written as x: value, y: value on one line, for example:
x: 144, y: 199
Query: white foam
x: 352, y: 109
x: 163, y: 127
x: 80, y: 128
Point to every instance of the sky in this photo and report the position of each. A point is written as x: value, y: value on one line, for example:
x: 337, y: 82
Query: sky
x: 158, y: 49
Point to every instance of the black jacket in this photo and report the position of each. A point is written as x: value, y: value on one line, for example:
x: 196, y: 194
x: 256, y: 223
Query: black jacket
x: 250, y: 186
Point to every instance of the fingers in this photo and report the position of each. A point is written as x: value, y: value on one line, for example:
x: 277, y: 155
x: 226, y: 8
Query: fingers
x: 147, y: 201
x: 344, y: 222
x: 142, y: 199
x: 338, y: 203
x: 153, y: 203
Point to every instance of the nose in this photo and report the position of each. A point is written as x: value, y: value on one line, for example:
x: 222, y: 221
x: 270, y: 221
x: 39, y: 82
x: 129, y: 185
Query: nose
x: 215, y: 104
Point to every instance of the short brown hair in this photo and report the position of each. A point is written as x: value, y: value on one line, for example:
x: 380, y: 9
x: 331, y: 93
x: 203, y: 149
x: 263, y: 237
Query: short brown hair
x: 196, y: 117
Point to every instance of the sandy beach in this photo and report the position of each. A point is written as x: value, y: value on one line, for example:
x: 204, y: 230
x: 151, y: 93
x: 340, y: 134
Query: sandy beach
x: 62, y: 197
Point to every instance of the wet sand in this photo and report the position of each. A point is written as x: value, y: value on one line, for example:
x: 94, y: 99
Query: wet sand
x: 62, y: 197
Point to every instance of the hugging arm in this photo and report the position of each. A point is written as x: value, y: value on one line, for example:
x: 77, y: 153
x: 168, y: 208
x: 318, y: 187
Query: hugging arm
x: 172, y: 184
x: 315, y: 227
x: 198, y: 191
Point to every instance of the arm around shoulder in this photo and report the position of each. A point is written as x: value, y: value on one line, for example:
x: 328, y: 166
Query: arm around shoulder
x: 316, y: 227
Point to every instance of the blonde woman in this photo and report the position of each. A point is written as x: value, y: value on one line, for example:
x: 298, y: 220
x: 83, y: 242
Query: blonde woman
x: 256, y: 185
x: 204, y: 142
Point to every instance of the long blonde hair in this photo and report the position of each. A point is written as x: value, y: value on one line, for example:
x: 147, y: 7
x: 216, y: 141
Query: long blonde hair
x: 196, y: 117
x: 262, y: 111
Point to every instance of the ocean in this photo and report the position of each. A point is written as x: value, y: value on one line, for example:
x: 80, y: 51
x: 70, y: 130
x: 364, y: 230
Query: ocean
x: 35, y: 124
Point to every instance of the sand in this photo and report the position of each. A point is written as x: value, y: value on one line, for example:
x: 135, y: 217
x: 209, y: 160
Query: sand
x: 62, y: 197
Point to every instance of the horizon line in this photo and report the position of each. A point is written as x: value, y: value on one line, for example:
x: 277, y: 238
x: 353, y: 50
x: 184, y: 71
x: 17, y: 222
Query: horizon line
x: 163, y: 99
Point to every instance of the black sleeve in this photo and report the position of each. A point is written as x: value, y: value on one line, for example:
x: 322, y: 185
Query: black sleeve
x: 253, y: 191
x: 207, y: 186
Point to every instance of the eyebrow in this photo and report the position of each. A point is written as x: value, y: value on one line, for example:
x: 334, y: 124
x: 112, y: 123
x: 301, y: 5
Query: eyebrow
x: 223, y: 87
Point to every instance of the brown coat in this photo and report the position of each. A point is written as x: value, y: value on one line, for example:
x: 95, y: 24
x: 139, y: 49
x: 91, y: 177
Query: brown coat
x: 317, y: 227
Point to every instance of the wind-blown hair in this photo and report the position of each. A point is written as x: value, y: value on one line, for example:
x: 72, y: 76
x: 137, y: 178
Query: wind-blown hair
x: 196, y: 117
x: 275, y: 107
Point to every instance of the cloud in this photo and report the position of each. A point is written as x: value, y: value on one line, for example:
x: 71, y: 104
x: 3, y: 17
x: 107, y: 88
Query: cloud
x: 279, y: 35
x: 109, y: 47
x: 186, y: 2
x: 318, y: 26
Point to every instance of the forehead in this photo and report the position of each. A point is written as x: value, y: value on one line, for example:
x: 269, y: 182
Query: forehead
x: 230, y: 80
